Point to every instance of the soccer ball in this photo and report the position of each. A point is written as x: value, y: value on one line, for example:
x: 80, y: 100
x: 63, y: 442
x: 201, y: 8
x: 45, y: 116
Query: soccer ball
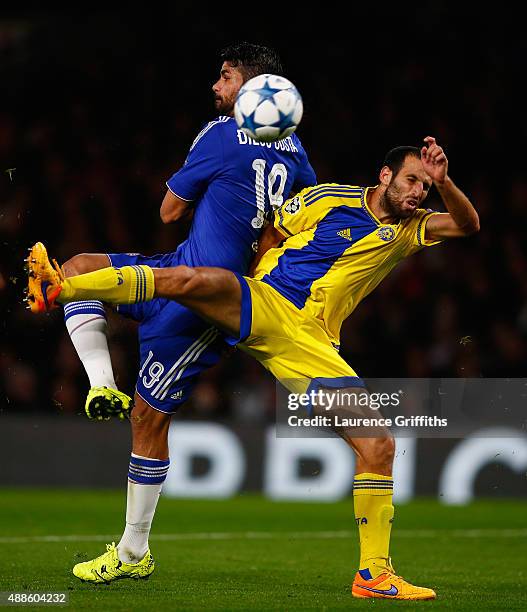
x: 268, y: 108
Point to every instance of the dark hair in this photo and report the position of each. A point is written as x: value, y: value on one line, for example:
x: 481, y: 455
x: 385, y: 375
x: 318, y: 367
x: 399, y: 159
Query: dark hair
x: 395, y: 158
x: 252, y: 59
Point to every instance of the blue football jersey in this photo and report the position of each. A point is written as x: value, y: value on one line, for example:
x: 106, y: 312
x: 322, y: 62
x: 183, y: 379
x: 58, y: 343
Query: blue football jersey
x: 234, y: 182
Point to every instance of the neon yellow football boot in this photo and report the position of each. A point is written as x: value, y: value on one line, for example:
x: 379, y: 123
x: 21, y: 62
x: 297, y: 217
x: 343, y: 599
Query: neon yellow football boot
x: 109, y: 567
x: 103, y: 403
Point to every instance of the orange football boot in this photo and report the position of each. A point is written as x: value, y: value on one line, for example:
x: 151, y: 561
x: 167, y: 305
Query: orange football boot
x: 44, y: 280
x: 388, y: 586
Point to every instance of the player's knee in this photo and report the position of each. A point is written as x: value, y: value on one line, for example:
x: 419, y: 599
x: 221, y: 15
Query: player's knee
x: 149, y: 431
x: 381, y: 452
x: 377, y: 453
x: 78, y: 264
x: 148, y: 422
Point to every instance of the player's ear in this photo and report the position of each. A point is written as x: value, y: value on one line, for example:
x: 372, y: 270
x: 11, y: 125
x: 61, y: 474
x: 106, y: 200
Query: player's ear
x: 385, y: 176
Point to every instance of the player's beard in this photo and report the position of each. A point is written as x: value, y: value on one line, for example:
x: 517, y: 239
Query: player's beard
x: 392, y: 202
x: 224, y: 106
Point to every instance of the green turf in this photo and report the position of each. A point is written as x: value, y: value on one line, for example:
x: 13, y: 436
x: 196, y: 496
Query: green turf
x: 274, y: 570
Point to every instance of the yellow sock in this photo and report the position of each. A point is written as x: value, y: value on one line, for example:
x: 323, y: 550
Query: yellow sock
x: 372, y: 494
x: 126, y: 285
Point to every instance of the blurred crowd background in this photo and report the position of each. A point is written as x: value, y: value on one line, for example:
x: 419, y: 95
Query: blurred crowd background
x: 96, y: 112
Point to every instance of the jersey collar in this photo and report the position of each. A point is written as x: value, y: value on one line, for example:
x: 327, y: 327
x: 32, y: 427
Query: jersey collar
x: 365, y: 206
x: 369, y: 212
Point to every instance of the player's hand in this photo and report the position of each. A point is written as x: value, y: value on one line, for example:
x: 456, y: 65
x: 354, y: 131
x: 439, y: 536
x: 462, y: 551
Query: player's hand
x: 434, y: 161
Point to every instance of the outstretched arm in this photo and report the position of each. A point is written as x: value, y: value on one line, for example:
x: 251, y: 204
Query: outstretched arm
x: 461, y: 218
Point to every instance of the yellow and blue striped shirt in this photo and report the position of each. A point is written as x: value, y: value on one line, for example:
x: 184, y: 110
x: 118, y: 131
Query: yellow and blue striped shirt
x: 336, y: 251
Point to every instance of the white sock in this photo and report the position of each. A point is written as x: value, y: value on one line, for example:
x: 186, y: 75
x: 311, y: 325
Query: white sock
x: 140, y: 508
x: 87, y: 327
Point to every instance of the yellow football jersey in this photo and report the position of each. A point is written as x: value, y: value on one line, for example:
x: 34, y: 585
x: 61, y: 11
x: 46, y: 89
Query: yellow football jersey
x: 336, y: 251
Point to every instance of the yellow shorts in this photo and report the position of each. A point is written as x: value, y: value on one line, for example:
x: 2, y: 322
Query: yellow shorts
x: 295, y: 348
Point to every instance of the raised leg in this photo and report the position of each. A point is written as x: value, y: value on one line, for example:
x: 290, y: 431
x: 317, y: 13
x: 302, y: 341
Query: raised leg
x: 214, y: 294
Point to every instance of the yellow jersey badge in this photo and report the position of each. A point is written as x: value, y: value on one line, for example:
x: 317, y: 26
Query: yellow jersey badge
x: 386, y: 233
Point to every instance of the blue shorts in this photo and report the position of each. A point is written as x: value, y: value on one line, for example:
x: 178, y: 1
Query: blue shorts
x: 175, y: 345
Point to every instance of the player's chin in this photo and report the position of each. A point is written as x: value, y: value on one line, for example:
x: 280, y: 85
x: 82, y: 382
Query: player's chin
x: 223, y: 108
x: 407, y: 210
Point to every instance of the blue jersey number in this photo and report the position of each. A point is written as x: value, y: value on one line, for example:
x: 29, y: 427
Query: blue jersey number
x: 276, y: 180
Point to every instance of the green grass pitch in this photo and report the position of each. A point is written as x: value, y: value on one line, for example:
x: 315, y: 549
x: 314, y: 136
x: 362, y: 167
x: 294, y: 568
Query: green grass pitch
x: 249, y: 553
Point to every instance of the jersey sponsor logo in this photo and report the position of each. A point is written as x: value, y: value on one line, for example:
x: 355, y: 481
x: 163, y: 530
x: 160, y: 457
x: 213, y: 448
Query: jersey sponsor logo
x: 345, y: 233
x: 293, y: 206
x: 386, y: 233
x: 361, y: 520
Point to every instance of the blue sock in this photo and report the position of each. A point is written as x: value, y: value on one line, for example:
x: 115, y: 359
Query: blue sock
x: 147, y: 471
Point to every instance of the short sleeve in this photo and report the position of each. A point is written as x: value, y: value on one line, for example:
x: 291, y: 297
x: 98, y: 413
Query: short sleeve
x: 203, y: 164
x: 290, y: 218
x: 416, y: 230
